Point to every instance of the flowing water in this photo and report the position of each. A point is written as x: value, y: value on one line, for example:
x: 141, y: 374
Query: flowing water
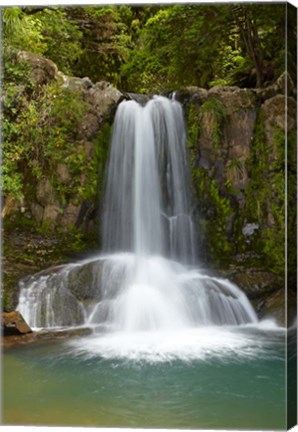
x: 172, y: 346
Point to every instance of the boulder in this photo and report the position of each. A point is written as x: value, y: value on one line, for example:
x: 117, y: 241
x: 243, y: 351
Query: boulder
x: 43, y: 70
x: 84, y: 281
x: 13, y: 323
x: 274, y: 307
x: 103, y: 98
x: 255, y: 283
x: 75, y: 83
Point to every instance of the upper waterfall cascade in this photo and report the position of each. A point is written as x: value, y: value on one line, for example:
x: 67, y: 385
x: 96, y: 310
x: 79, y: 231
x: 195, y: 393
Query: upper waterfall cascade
x: 147, y: 278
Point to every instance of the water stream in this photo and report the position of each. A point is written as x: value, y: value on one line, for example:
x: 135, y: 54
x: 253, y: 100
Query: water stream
x: 150, y: 303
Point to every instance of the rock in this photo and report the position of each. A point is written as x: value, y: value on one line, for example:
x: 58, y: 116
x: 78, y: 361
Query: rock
x: 142, y: 99
x: 274, y: 307
x: 70, y: 215
x: 249, y: 229
x: 103, y: 98
x: 37, y: 211
x: 193, y: 94
x: 51, y: 212
x: 56, y: 303
x: 44, y: 336
x: 279, y: 87
x: 255, y: 283
x: 227, y: 159
x: 84, y: 281
x: 234, y: 98
x: 75, y: 83
x: 10, y: 206
x: 43, y: 70
x: 63, y: 173
x: 45, y: 195
x: 273, y: 113
x: 45, y: 192
x: 14, y: 323
x: 88, y: 127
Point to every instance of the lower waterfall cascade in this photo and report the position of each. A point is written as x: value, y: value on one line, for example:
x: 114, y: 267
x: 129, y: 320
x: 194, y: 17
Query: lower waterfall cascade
x: 147, y: 278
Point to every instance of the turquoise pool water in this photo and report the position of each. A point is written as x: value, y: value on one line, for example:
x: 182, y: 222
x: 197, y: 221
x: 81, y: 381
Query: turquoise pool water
x: 72, y: 384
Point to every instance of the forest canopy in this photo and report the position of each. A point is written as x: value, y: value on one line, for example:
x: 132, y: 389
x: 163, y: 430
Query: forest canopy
x: 157, y: 47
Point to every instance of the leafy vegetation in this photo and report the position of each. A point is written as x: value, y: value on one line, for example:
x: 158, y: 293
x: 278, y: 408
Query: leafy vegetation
x: 153, y: 48
x: 214, y: 214
x: 36, y: 136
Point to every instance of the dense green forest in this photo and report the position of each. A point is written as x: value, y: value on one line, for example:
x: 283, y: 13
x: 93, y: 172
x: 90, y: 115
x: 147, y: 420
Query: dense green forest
x: 151, y: 48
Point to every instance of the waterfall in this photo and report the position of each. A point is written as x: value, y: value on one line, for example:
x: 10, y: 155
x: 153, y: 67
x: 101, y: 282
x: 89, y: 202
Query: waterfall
x: 147, y: 278
x: 147, y: 205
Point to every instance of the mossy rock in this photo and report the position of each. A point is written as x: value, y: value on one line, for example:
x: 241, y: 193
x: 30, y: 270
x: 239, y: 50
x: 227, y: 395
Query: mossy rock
x: 255, y: 282
x: 84, y: 281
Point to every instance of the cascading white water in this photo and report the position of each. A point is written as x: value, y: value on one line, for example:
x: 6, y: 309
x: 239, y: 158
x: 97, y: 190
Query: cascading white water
x: 147, y: 203
x: 148, y: 213
x: 147, y: 280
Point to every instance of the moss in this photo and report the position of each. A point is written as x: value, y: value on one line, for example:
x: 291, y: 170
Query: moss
x: 265, y: 195
x: 101, y: 152
x: 215, y: 212
x: 292, y: 208
x: 9, y: 284
x: 217, y: 110
x: 193, y: 125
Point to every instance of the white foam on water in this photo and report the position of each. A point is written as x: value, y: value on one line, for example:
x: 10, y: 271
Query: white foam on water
x: 188, y: 344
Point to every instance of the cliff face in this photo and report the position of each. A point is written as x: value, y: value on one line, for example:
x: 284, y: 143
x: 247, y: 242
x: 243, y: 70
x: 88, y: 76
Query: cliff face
x: 59, y: 193
x: 238, y: 139
x: 237, y: 143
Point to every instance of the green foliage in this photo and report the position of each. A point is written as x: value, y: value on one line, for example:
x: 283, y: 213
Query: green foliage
x: 153, y: 48
x: 101, y: 156
x: 61, y: 36
x: 193, y: 126
x: 105, y: 41
x: 22, y: 31
x: 36, y: 137
x: 215, y: 211
x: 265, y: 195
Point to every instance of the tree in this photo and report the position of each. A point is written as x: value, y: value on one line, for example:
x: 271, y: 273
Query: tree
x: 105, y: 42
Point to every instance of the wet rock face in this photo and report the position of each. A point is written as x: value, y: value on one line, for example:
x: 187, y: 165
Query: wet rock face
x: 274, y: 307
x: 14, y: 324
x: 103, y: 98
x: 84, y: 282
x: 61, y: 295
x: 234, y: 131
x: 256, y: 282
